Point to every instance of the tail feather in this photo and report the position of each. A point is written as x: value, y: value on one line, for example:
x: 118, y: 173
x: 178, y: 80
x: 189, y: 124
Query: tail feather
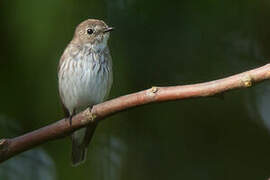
x: 80, y: 140
x: 78, y: 152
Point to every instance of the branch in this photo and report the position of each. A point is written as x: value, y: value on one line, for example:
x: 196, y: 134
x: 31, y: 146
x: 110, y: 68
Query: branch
x: 13, y: 146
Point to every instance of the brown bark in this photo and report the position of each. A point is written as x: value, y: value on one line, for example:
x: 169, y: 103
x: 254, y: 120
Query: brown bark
x: 13, y: 146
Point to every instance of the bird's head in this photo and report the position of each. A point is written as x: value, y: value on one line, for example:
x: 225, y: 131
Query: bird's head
x: 92, y: 32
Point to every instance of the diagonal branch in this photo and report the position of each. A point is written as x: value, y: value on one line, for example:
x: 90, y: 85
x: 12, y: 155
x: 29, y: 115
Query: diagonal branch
x: 13, y: 146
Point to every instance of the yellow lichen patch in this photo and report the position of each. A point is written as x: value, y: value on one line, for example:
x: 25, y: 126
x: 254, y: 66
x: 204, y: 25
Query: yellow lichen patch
x: 89, y: 116
x: 152, y: 91
x: 248, y: 83
x: 93, y: 116
x: 2, y: 141
x: 247, y: 80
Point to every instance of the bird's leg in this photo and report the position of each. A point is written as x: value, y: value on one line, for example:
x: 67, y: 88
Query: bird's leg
x: 90, y: 107
x: 71, y: 116
x: 70, y: 119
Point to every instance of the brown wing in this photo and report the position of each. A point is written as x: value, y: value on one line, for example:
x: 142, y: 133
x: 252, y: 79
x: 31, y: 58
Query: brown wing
x: 70, y: 52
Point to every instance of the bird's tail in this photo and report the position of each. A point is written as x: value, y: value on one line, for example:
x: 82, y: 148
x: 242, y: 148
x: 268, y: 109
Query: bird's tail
x: 78, y: 151
x: 80, y: 140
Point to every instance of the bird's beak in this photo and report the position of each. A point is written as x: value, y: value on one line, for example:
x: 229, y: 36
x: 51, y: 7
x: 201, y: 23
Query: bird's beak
x: 108, y: 29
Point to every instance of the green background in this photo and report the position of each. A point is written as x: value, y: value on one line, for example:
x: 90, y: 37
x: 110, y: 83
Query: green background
x: 156, y: 43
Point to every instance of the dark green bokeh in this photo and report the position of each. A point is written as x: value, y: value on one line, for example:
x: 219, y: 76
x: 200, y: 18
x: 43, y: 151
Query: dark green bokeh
x: 155, y: 43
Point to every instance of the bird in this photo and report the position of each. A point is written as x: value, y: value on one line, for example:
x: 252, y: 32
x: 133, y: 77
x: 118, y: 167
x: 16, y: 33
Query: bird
x: 85, y: 78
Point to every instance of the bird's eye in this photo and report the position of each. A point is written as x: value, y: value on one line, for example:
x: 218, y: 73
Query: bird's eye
x: 90, y: 31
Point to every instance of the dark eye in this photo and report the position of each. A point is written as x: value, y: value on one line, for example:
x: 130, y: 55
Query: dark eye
x: 90, y: 31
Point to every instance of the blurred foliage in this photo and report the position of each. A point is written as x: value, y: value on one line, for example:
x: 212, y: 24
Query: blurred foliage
x: 155, y: 43
x: 30, y: 165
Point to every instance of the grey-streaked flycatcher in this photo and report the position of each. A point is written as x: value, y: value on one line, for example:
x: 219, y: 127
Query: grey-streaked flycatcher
x: 85, y: 78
